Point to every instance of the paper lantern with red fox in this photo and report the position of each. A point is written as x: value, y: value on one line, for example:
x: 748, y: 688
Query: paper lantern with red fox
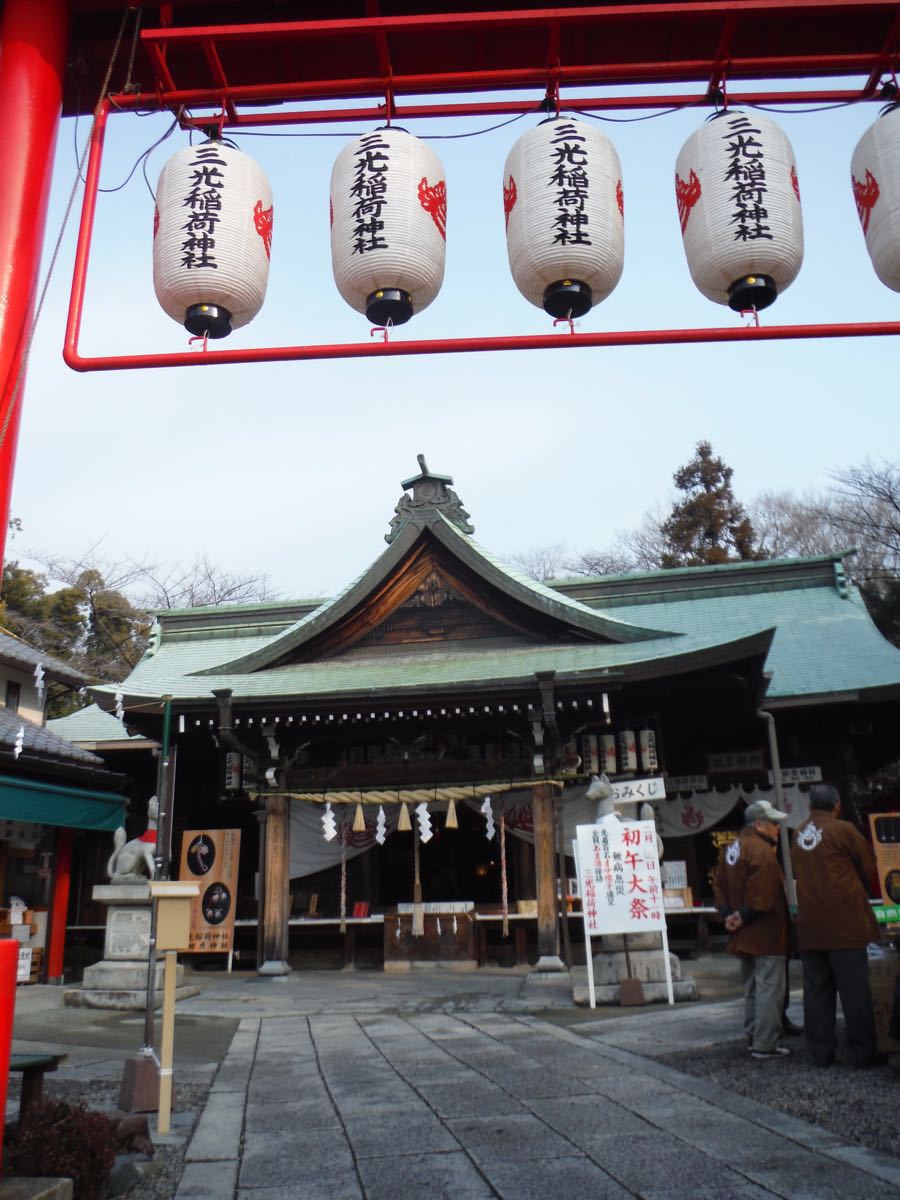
x: 212, y: 238
x: 388, y: 225
x: 739, y: 207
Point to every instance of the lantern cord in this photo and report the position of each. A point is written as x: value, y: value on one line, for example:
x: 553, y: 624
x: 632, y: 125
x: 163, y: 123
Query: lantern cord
x: 23, y: 361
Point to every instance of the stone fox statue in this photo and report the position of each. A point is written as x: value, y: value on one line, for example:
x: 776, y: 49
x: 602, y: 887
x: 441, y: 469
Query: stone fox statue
x: 134, y: 860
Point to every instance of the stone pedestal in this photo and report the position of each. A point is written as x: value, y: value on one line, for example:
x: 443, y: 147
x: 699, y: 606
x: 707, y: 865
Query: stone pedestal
x: 647, y: 964
x: 120, y: 980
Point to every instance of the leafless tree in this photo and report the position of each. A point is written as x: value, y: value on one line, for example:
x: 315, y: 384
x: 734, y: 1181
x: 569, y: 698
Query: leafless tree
x: 789, y: 526
x: 541, y: 563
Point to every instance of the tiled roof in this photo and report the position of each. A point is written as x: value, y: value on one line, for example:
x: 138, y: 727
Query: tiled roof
x: 825, y: 641
x: 91, y: 725
x: 40, y: 740
x: 170, y: 669
x: 13, y: 650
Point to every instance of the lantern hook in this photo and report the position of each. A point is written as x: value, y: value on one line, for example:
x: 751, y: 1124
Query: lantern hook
x: 203, y: 338
x: 751, y: 312
x: 550, y: 102
x: 382, y: 330
x: 390, y: 109
x: 566, y: 320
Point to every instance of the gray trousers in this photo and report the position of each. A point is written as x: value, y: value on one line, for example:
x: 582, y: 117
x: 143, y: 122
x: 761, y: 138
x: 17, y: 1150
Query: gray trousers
x: 827, y: 974
x: 763, y: 977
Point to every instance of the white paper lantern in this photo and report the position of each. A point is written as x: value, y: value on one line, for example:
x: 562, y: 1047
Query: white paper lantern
x: 564, y: 208
x: 876, y: 188
x: 212, y: 237
x: 739, y: 207
x: 388, y: 225
x: 627, y: 751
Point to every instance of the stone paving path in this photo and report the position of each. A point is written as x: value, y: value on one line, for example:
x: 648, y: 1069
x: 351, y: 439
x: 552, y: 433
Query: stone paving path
x: 478, y: 1105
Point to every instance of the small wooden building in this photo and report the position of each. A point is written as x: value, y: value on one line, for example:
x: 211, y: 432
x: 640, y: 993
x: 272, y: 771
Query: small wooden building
x: 442, y: 677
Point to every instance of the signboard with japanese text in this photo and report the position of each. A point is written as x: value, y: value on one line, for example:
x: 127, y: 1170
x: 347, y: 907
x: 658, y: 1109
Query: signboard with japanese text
x: 618, y: 867
x: 736, y: 762
x: 621, y: 889
x: 210, y: 857
x: 637, y: 791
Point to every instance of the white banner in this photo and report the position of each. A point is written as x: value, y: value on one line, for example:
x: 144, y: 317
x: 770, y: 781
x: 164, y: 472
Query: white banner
x: 683, y: 814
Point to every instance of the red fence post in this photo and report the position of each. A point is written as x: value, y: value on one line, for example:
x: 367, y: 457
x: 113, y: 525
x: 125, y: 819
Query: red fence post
x: 59, y: 905
x: 9, y: 961
x: 33, y: 38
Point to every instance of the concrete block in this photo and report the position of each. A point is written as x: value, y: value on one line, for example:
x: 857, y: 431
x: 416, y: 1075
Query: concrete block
x: 35, y: 1189
x: 431, y: 1175
x: 218, y: 1132
x: 207, y: 1181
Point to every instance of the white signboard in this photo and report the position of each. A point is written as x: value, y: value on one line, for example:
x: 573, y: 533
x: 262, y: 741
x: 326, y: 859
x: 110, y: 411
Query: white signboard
x: 621, y: 889
x: 638, y: 791
x: 799, y: 775
x: 23, y: 973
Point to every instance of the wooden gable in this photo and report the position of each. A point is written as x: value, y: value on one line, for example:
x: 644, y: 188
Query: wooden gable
x: 430, y: 598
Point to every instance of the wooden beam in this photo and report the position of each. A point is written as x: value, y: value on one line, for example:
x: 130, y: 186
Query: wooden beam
x: 276, y: 901
x: 545, y: 877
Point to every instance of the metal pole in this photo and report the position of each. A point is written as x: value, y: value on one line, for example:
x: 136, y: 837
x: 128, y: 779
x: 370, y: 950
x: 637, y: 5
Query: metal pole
x: 161, y: 781
x: 783, y: 835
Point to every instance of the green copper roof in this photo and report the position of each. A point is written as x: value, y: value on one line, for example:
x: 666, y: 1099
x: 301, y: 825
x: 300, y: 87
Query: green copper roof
x: 169, y: 671
x: 825, y: 641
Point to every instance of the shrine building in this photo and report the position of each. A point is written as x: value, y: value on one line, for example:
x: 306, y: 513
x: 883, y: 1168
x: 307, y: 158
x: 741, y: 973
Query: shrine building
x: 420, y: 744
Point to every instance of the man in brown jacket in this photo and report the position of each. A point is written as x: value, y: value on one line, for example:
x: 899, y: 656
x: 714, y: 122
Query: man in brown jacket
x: 833, y: 864
x: 749, y: 890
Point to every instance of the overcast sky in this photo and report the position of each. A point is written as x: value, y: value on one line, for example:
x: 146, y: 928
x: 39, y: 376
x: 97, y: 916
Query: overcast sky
x: 293, y: 469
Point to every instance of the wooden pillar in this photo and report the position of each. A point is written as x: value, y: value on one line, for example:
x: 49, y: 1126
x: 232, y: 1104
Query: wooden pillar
x: 545, y: 877
x: 276, y: 895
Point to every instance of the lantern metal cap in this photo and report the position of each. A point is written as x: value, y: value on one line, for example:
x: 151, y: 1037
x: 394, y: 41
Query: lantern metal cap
x: 752, y: 291
x: 389, y: 305
x: 211, y: 320
x: 567, y: 297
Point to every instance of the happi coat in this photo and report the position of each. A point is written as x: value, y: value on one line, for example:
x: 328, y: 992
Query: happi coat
x: 833, y: 866
x: 749, y: 880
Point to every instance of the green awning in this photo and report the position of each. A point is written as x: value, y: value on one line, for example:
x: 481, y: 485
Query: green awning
x: 58, y: 804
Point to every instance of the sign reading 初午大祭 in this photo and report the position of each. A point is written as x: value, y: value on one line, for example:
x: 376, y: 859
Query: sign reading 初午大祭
x: 210, y: 857
x: 621, y: 888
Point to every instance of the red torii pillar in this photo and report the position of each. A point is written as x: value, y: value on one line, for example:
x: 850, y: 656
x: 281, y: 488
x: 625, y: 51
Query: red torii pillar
x: 33, y: 41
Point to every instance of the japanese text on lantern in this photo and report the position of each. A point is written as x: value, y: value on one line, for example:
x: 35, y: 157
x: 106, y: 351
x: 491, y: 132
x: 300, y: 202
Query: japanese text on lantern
x: 746, y: 172
x: 368, y: 193
x: 569, y: 176
x: 205, y: 203
x: 619, y: 867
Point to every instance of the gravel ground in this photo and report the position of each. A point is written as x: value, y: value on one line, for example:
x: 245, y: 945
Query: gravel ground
x: 159, y: 1175
x: 861, y: 1106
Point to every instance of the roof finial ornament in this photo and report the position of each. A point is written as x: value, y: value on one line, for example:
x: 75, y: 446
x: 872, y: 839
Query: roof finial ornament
x: 432, y: 500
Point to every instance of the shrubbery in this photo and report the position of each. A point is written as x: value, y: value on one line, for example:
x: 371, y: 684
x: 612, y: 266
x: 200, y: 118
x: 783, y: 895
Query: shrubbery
x: 60, y: 1139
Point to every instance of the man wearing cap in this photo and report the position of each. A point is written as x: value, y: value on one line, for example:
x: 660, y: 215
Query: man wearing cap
x: 833, y: 864
x: 749, y: 889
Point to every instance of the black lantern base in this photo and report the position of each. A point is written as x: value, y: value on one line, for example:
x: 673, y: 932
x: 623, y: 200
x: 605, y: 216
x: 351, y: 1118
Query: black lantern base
x: 389, y: 304
x: 567, y: 297
x: 210, y: 319
x: 752, y: 291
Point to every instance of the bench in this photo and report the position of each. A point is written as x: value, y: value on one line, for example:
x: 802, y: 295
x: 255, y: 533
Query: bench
x: 32, y: 1068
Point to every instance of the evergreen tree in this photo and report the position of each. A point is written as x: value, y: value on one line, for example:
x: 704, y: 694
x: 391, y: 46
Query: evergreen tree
x: 708, y: 526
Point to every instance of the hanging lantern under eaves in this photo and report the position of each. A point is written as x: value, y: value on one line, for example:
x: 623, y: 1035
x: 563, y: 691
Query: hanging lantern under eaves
x: 212, y: 237
x: 388, y: 225
x: 564, y: 209
x: 739, y: 207
x: 876, y: 189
